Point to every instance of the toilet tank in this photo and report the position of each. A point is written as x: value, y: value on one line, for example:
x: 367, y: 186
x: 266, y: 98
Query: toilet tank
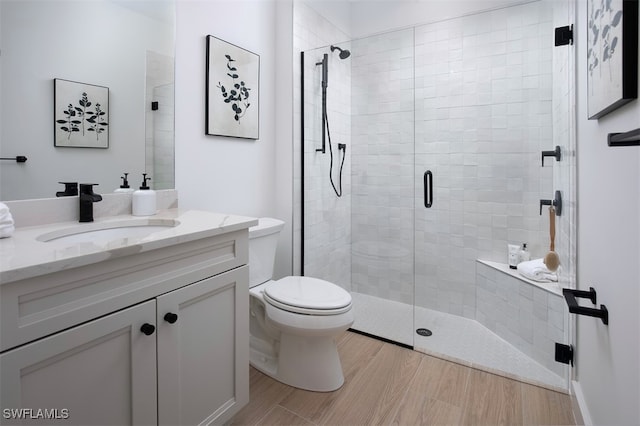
x: 263, y: 240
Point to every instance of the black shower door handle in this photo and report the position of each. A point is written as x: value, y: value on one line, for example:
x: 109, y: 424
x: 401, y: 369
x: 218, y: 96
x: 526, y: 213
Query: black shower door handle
x: 428, y: 189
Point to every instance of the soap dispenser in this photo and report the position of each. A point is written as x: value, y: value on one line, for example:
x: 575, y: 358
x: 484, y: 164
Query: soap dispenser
x: 144, y: 199
x: 524, y: 255
x: 125, y: 185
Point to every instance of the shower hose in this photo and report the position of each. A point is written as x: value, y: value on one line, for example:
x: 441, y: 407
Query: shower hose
x: 341, y: 146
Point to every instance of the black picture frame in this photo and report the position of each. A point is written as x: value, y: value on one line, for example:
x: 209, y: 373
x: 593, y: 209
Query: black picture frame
x: 232, y: 105
x: 81, y: 115
x: 612, y: 55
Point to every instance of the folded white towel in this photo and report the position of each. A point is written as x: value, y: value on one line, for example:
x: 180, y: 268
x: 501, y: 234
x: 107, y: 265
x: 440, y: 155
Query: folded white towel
x: 6, y: 221
x: 536, y: 270
x: 6, y: 231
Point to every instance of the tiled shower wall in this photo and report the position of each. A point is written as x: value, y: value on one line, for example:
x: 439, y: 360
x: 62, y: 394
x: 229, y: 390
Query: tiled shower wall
x: 159, y: 124
x: 485, y: 105
x: 483, y: 116
x: 529, y: 317
x: 382, y: 164
x: 564, y: 171
x: 327, y: 229
x: 162, y: 143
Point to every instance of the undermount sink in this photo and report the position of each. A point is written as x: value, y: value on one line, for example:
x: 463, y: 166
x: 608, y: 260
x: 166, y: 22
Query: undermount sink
x: 108, y: 231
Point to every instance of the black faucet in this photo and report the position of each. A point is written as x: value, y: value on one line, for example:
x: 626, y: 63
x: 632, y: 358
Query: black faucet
x: 87, y: 198
x: 70, y: 189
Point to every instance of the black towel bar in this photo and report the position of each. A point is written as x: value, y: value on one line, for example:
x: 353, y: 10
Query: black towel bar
x: 570, y: 296
x: 631, y: 138
x: 18, y: 159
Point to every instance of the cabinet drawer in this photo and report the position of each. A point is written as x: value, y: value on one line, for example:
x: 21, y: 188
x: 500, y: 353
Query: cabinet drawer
x: 40, y: 306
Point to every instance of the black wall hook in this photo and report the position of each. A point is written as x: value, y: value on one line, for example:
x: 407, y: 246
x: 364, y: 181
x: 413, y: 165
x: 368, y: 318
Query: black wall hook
x: 556, y: 203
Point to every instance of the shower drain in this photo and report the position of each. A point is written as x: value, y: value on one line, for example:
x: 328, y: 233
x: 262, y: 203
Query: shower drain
x: 424, y: 332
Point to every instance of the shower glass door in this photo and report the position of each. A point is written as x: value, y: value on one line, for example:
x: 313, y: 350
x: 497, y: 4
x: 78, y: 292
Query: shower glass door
x: 444, y: 125
x: 362, y: 240
x: 382, y: 168
x: 484, y: 113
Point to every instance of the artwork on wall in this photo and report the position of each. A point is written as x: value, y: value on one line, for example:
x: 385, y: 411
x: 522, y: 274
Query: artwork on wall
x: 81, y: 114
x: 233, y: 90
x: 612, y: 55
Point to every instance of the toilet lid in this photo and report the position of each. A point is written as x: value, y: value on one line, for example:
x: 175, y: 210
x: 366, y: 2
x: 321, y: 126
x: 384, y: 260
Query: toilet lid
x: 308, y: 296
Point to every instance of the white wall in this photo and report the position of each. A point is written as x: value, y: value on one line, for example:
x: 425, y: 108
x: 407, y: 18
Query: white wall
x: 608, y: 255
x: 338, y: 12
x: 238, y: 176
x: 373, y: 16
x: 214, y: 172
x: 284, y: 135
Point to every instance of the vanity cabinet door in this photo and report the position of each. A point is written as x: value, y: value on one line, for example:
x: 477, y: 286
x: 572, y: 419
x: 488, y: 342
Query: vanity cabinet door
x: 101, y: 372
x: 203, y: 350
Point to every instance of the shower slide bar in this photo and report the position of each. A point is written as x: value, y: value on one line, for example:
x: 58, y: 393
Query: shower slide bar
x: 325, y: 83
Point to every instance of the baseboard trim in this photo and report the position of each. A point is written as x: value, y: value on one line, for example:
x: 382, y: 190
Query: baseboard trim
x: 579, y: 405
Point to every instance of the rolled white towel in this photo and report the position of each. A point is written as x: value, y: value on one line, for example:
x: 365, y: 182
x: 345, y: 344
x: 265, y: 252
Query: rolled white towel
x: 6, y: 221
x: 536, y: 270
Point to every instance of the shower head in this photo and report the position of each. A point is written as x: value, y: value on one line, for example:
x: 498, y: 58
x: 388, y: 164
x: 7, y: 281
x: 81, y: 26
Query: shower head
x: 344, y: 53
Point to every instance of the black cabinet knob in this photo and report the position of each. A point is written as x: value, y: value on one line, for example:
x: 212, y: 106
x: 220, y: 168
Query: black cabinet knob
x: 147, y: 328
x: 170, y: 317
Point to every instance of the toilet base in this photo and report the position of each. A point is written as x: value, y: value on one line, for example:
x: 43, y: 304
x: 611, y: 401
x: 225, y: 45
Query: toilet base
x: 309, y: 363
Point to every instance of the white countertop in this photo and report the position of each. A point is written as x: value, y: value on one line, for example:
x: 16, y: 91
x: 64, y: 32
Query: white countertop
x: 23, y: 256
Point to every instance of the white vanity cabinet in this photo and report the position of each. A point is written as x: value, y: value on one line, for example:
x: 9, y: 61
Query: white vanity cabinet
x: 203, y: 361
x: 155, y: 337
x: 101, y: 372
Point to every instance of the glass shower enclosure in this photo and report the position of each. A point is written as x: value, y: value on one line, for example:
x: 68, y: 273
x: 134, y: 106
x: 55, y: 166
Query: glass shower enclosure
x: 434, y: 134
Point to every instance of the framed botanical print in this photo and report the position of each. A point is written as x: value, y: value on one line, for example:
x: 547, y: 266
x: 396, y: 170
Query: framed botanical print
x: 81, y: 114
x: 612, y: 55
x: 232, y: 90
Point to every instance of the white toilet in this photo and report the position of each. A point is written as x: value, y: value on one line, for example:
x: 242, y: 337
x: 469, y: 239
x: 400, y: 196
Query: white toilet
x: 293, y: 320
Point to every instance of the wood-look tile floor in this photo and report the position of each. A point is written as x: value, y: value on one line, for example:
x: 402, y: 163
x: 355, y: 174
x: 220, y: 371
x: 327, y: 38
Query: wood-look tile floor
x: 388, y: 384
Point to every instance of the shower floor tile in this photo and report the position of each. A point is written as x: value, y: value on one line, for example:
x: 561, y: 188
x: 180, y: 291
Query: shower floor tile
x: 454, y: 338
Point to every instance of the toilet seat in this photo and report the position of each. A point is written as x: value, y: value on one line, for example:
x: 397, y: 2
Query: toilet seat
x: 306, y: 295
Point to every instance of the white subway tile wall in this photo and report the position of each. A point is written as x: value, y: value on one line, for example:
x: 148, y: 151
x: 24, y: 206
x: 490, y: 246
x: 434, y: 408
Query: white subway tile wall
x: 483, y: 115
x: 382, y: 87
x: 530, y: 318
x: 327, y: 231
x: 159, y: 124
